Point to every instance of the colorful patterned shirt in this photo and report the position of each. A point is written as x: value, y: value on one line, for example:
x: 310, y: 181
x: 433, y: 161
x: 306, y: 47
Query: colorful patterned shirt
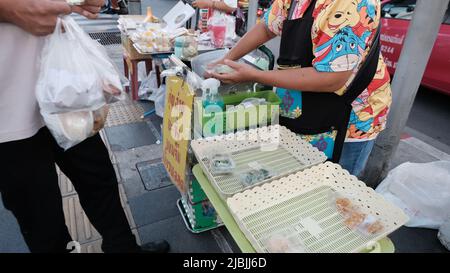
x: 342, y: 34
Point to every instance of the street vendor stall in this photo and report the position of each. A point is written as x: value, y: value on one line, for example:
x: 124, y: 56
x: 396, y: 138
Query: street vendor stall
x: 233, y: 164
x: 272, y: 190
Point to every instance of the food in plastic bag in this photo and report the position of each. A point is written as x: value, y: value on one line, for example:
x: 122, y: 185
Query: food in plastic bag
x: 76, y: 82
x: 218, y: 68
x: 355, y: 219
x: 422, y: 190
x: 200, y: 63
x: 75, y: 2
x: 221, y: 163
x: 284, y: 242
x: 218, y: 28
x: 252, y: 102
x: 256, y: 174
x: 186, y: 47
x: 75, y: 72
x: 71, y: 128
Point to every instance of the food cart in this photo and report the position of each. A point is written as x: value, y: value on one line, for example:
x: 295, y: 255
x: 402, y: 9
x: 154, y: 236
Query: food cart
x: 285, y: 198
x: 276, y: 193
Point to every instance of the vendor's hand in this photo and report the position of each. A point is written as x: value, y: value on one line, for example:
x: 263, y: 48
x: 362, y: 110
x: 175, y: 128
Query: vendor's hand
x: 203, y: 4
x: 211, y: 66
x: 90, y: 9
x: 36, y: 17
x: 242, y: 73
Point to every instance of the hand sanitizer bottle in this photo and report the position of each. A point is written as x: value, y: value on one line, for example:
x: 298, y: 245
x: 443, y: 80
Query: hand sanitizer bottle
x: 212, y: 101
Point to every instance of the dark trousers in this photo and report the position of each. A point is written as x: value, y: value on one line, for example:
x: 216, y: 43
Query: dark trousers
x: 30, y: 190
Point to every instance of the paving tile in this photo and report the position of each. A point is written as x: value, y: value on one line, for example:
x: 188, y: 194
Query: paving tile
x: 77, y: 222
x: 407, y: 152
x: 155, y: 124
x: 153, y: 174
x: 11, y: 239
x: 181, y: 240
x: 154, y: 206
x: 229, y: 239
x: 126, y: 165
x: 124, y: 112
x: 124, y: 137
x: 126, y: 206
x: 65, y: 185
x: 96, y: 246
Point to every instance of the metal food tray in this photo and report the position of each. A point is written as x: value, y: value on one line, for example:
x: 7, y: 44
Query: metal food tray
x: 282, y: 205
x: 274, y: 147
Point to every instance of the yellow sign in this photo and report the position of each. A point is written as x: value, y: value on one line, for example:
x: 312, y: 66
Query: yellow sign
x: 177, y: 129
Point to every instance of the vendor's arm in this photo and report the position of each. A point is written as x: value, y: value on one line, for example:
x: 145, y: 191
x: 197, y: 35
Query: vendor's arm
x: 254, y: 38
x: 340, y: 38
x: 306, y: 79
x: 211, y: 4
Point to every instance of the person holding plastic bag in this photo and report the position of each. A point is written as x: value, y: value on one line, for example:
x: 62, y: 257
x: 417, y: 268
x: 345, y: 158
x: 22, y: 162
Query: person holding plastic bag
x: 211, y: 8
x: 29, y: 182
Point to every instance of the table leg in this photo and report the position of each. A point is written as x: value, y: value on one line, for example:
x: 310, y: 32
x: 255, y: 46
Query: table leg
x: 126, y: 71
x: 158, y: 75
x: 134, y: 80
x: 148, y: 65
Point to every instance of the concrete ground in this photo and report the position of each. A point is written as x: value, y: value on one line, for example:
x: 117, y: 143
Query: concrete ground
x: 151, y: 208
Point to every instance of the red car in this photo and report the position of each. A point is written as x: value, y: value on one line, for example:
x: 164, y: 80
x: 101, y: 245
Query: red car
x: 396, y: 15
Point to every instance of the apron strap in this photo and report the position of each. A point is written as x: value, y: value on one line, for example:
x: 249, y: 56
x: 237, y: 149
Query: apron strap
x: 308, y: 13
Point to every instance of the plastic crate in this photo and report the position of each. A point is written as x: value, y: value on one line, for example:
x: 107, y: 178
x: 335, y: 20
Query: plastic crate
x: 201, y: 215
x: 196, y: 193
x: 253, y: 115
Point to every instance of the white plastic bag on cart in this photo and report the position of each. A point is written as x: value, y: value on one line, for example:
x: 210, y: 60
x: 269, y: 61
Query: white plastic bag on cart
x: 77, y: 79
x: 422, y: 190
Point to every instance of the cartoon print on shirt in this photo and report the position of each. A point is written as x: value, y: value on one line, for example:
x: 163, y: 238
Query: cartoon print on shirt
x: 371, y: 107
x: 341, y: 34
x: 368, y: 17
x: 275, y: 17
x: 341, y: 53
x: 339, y: 14
x: 376, y: 97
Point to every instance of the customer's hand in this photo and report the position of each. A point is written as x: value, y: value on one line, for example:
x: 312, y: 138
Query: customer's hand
x: 203, y: 4
x: 242, y: 73
x: 90, y: 9
x: 36, y: 17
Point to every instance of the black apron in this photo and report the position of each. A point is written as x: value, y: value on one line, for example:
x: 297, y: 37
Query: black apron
x: 321, y: 112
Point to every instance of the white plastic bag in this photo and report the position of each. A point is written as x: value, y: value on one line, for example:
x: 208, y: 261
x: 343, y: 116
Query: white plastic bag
x: 148, y: 86
x: 76, y: 82
x: 71, y: 128
x: 160, y: 100
x: 422, y: 190
x: 75, y: 72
